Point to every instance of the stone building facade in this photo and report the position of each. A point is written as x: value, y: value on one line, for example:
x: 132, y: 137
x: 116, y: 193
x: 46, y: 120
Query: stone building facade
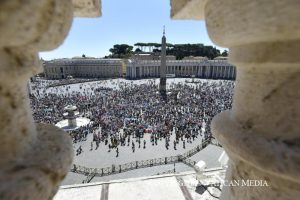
x: 188, y: 67
x: 83, y: 68
x: 138, y: 67
x: 150, y: 56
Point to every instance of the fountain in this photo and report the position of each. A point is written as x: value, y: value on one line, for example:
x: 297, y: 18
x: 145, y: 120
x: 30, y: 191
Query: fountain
x: 72, y: 120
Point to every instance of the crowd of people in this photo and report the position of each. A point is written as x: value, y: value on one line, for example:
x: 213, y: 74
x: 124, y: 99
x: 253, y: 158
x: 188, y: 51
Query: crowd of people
x: 122, y: 116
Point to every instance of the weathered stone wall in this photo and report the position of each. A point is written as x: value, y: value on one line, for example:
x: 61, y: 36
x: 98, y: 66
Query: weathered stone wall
x: 34, y: 157
x: 261, y: 132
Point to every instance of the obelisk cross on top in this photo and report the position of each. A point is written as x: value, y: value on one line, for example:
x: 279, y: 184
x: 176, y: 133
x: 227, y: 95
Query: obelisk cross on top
x: 163, y: 66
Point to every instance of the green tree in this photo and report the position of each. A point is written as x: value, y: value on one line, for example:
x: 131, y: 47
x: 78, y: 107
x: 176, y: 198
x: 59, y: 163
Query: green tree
x: 141, y: 45
x: 121, y: 51
x: 225, y: 53
x: 178, y: 50
x: 138, y: 50
x: 184, y: 50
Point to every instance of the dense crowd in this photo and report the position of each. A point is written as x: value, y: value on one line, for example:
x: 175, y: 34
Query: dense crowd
x: 121, y: 117
x: 70, y: 81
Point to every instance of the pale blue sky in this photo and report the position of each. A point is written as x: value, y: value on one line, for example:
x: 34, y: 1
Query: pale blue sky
x: 127, y: 22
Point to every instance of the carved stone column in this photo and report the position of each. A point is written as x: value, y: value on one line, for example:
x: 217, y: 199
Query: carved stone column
x: 34, y: 158
x: 261, y: 134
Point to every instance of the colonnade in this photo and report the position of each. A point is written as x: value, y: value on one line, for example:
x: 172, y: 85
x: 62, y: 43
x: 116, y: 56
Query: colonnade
x: 199, y: 71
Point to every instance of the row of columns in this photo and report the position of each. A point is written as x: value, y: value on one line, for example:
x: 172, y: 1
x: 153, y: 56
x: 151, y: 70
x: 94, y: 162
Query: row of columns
x: 208, y: 72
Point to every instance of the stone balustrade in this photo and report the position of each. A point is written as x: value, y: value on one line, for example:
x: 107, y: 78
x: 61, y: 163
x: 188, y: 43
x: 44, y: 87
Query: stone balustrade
x: 34, y: 157
x: 261, y: 132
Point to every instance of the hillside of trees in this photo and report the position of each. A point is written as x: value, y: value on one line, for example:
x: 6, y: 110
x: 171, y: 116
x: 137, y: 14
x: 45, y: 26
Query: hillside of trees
x: 178, y: 50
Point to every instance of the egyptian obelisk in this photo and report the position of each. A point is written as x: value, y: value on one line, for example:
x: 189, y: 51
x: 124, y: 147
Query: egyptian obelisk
x: 163, y: 66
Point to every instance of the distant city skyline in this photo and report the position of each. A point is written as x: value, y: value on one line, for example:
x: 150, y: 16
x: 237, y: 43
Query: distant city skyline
x: 127, y: 22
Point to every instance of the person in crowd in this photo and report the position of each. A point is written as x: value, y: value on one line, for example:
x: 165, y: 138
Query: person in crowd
x: 125, y: 114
